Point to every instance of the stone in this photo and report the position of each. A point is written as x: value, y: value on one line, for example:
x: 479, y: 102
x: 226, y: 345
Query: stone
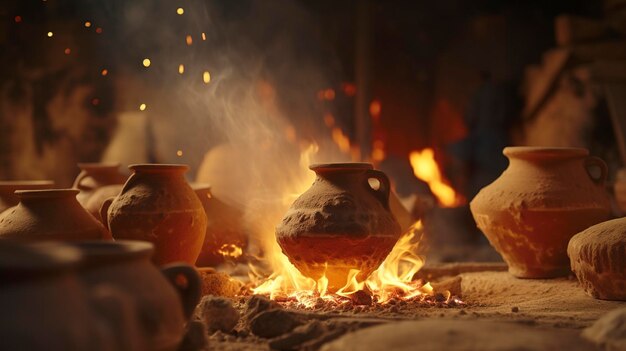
x: 257, y: 304
x: 218, y: 283
x: 273, y: 323
x: 609, y: 331
x: 218, y: 313
x: 598, y: 258
x: 195, y: 338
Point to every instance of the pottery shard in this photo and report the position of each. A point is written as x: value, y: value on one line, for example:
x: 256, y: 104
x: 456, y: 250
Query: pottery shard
x: 609, y: 331
x: 598, y: 257
x: 218, y: 313
x: 273, y: 323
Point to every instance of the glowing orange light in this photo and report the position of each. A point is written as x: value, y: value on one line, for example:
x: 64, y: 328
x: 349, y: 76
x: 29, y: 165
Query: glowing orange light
x: 329, y: 120
x: 99, y: 30
x: 189, y: 40
x: 206, y: 77
x: 95, y: 101
x: 329, y: 94
x: 349, y: 89
x: 179, y: 153
x: 425, y: 168
x: 18, y: 19
x: 50, y: 34
x: 67, y: 51
x: 142, y: 107
x: 378, y: 151
x: 375, y: 109
x: 203, y: 36
x: 87, y: 24
x: 146, y: 62
x: 104, y: 72
x: 342, y: 140
x: 181, y: 68
x: 180, y: 10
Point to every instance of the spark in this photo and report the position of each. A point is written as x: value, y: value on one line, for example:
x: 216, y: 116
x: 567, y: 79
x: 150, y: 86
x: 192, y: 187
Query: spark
x: 50, y: 34
x: 104, y: 72
x: 146, y: 62
x: 180, y: 10
x: 179, y: 153
x: 189, y: 40
x: 99, y: 30
x: 87, y: 24
x: 206, y: 77
x: 203, y: 36
x: 67, y: 51
x: 95, y: 101
x: 18, y: 19
x: 181, y: 68
x: 142, y: 107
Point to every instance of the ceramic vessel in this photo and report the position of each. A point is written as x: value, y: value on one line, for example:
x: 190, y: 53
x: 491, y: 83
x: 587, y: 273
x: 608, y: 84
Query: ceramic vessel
x: 543, y: 198
x: 45, y: 307
x: 49, y: 215
x: 340, y: 223
x: 598, y: 257
x: 157, y: 205
x: 8, y: 188
x: 94, y: 203
x: 163, y: 304
x: 93, y: 176
x: 225, y: 238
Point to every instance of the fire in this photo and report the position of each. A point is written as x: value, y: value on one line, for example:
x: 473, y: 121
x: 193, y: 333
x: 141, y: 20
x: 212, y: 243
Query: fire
x: 230, y: 251
x: 425, y: 168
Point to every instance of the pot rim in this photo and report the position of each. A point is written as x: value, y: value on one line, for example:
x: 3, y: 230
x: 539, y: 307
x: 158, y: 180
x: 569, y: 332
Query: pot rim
x: 158, y: 167
x: 98, y: 252
x: 24, y: 261
x: 544, y: 152
x: 12, y: 185
x: 341, y: 166
x: 47, y: 193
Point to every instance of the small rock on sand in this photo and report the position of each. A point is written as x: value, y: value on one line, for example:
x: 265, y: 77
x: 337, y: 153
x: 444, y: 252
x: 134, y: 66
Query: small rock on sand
x: 218, y: 313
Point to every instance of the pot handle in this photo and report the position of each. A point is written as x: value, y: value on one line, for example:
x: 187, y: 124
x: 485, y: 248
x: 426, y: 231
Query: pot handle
x: 188, y: 289
x: 79, y: 179
x: 104, y: 212
x: 593, y: 161
x: 382, y: 193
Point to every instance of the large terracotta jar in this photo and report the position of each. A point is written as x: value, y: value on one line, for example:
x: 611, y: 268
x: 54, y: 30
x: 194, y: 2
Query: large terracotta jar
x: 542, y: 199
x: 157, y: 205
x: 93, y: 176
x: 163, y: 304
x: 8, y: 188
x: 49, y: 215
x: 45, y: 307
x: 225, y: 238
x: 340, y: 223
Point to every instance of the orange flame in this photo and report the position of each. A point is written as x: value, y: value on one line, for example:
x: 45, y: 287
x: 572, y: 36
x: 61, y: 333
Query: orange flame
x: 425, y: 168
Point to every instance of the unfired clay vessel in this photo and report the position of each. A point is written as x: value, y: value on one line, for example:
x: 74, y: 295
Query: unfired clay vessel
x: 542, y: 199
x: 598, y: 257
x: 163, y: 305
x: 340, y: 223
x: 8, y: 188
x: 49, y: 215
x: 93, y: 176
x: 225, y: 238
x: 157, y: 205
x: 45, y: 307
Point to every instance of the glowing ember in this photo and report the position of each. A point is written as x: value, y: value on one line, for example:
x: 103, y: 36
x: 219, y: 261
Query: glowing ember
x: 67, y: 51
x: 189, y: 40
x: 179, y: 153
x: 142, y: 107
x: 104, y: 72
x: 425, y: 168
x: 378, y: 151
x: 181, y: 68
x: 50, y: 34
x: 206, y: 77
x: 230, y: 251
x: 146, y: 62
x: 180, y: 11
x: 87, y: 24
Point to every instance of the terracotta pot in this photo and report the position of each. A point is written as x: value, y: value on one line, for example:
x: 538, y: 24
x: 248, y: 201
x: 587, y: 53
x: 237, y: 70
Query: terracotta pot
x: 45, y: 307
x: 49, y: 215
x: 7, y: 190
x: 99, y: 197
x: 94, y: 176
x: 163, y: 304
x: 225, y: 238
x: 157, y: 205
x: 542, y: 199
x: 340, y: 223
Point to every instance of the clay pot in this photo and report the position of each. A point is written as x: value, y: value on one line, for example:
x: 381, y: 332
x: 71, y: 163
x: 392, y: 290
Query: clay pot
x: 94, y: 203
x: 340, y: 223
x: 157, y: 205
x: 7, y: 190
x: 94, y: 176
x: 225, y: 238
x: 542, y: 199
x: 598, y: 257
x: 49, y: 215
x: 163, y: 303
x: 45, y: 307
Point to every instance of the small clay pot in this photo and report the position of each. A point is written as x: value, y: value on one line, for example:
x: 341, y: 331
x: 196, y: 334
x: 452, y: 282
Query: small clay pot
x: 49, y: 215
x: 45, y: 307
x: 99, y: 197
x: 542, y: 199
x: 7, y: 190
x: 157, y: 205
x: 225, y: 238
x: 598, y: 257
x: 164, y: 299
x: 94, y: 176
x: 340, y: 223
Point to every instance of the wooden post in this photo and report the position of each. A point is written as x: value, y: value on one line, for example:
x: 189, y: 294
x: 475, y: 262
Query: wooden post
x: 362, y: 120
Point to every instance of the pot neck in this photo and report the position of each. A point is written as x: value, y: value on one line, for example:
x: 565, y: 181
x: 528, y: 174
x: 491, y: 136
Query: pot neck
x: 160, y: 169
x: 339, y: 170
x: 544, y: 154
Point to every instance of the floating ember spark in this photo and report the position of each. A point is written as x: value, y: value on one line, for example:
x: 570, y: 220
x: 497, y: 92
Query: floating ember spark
x: 18, y: 19
x: 180, y: 11
x: 378, y: 151
x: 188, y: 40
x: 329, y: 120
x: 104, y: 72
x: 206, y: 77
x: 203, y: 36
x: 179, y: 153
x: 142, y: 107
x: 426, y: 168
x: 87, y: 24
x: 67, y: 51
x: 230, y: 251
x: 146, y: 62
x: 99, y: 30
x: 181, y: 68
x: 375, y: 109
x: 50, y: 34
x: 329, y: 94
